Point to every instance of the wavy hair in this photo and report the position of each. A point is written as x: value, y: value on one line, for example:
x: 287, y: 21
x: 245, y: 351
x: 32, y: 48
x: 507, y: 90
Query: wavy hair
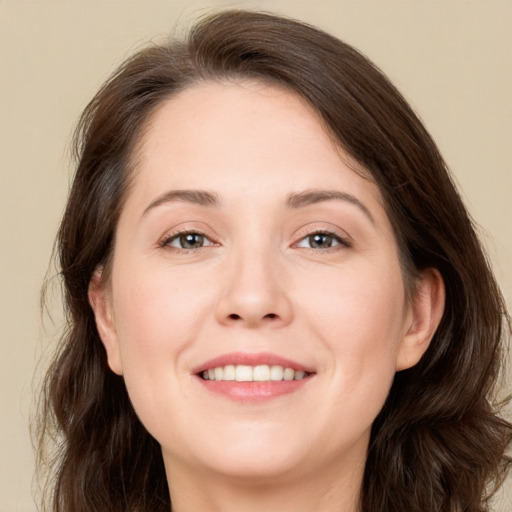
x: 439, y: 444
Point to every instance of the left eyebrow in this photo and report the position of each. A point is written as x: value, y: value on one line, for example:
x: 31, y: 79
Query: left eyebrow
x: 309, y: 197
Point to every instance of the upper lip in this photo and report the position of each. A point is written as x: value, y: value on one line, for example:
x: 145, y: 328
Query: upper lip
x: 261, y: 358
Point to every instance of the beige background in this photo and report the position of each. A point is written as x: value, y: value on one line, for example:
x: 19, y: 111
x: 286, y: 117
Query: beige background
x: 451, y: 59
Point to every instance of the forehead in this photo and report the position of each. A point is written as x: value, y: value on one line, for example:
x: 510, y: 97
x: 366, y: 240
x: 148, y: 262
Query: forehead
x: 239, y: 129
x: 250, y: 144
x: 216, y: 118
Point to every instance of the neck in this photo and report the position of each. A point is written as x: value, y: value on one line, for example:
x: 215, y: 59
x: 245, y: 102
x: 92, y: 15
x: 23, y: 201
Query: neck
x: 333, y: 489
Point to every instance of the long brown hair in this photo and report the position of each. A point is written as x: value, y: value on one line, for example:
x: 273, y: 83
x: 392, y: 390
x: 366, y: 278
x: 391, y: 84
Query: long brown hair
x: 439, y: 444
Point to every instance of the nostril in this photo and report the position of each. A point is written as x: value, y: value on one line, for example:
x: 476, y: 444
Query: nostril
x: 234, y: 316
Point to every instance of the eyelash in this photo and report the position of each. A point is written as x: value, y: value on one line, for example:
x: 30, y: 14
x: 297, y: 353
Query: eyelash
x: 167, y: 240
x: 341, y: 241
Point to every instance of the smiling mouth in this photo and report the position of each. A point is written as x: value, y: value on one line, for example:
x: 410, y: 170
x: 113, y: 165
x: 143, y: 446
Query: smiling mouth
x: 259, y: 373
x: 252, y: 378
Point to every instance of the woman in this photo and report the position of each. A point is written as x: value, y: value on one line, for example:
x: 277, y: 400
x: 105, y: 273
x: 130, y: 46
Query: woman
x: 276, y: 297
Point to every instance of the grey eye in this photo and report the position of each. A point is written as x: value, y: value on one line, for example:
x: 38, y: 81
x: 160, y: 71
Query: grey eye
x: 319, y: 241
x: 189, y: 241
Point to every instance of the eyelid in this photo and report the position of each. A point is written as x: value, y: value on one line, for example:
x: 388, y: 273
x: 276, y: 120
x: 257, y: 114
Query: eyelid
x: 172, y: 234
x: 343, y: 238
x: 170, y: 241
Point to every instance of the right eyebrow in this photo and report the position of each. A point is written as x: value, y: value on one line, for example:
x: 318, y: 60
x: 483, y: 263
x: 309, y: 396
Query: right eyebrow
x: 200, y: 197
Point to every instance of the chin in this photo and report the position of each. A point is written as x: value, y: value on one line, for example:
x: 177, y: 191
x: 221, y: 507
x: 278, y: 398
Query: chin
x: 258, y: 468
x: 248, y: 453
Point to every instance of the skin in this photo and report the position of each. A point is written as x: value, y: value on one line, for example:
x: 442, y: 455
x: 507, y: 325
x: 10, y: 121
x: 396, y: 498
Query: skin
x: 257, y: 285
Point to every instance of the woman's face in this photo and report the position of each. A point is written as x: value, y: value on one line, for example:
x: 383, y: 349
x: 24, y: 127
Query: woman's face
x: 245, y: 242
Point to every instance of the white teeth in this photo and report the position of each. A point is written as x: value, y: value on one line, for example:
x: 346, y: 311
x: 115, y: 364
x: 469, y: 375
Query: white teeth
x: 229, y: 372
x: 289, y: 374
x: 276, y: 373
x: 243, y: 373
x: 218, y: 372
x: 260, y: 373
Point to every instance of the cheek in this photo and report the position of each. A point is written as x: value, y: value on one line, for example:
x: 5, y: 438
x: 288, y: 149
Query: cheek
x: 359, y: 299
x: 360, y: 319
x: 157, y: 316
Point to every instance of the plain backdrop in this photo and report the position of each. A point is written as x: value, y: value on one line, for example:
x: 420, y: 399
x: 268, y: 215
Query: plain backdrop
x: 451, y: 59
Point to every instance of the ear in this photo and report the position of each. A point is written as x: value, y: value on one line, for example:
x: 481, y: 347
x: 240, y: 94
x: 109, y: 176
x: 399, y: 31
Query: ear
x: 426, y: 311
x: 101, y: 304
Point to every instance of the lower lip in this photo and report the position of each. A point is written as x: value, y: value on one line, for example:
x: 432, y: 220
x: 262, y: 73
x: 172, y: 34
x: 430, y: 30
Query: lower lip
x: 253, y: 391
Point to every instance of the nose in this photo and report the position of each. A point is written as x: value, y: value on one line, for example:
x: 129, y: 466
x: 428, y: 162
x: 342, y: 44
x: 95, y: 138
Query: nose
x: 255, y: 294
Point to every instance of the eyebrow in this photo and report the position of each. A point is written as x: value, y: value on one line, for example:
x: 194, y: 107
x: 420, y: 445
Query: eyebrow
x: 200, y: 197
x: 294, y: 201
x: 310, y: 197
